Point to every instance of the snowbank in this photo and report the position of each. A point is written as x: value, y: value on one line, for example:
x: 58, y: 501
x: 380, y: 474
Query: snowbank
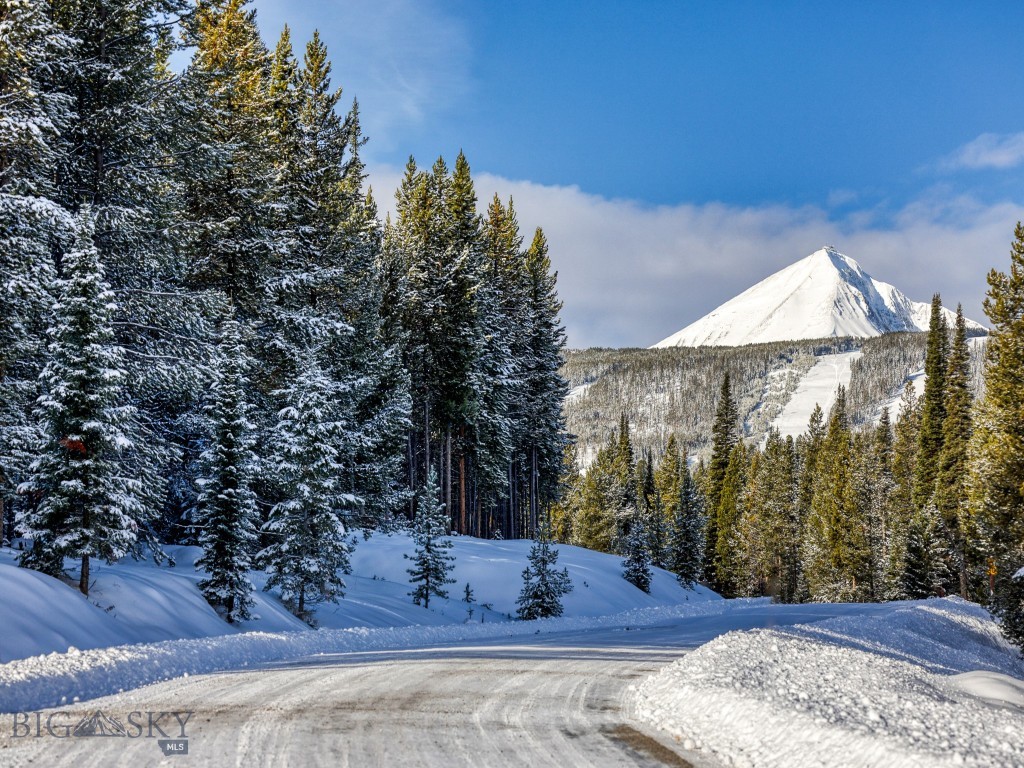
x: 60, y: 678
x: 887, y: 690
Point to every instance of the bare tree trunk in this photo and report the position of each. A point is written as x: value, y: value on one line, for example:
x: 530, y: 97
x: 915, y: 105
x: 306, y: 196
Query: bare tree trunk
x: 448, y: 474
x: 83, y: 579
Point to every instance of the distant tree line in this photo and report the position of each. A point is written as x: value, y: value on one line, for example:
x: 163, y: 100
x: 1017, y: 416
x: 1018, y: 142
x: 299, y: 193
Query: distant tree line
x: 929, y: 503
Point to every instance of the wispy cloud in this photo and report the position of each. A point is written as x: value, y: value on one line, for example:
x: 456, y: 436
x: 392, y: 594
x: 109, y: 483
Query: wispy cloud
x: 631, y: 274
x: 989, y: 150
x: 400, y: 58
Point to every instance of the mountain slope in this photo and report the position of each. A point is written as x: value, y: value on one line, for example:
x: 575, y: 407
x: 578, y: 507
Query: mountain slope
x: 823, y: 295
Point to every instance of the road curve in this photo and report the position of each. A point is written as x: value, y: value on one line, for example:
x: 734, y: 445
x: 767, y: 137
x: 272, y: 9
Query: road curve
x: 550, y: 701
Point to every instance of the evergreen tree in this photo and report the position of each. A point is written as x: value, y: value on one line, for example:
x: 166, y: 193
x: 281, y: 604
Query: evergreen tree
x: 596, y: 525
x: 651, y: 510
x: 686, y: 539
x: 31, y: 223
x: 432, y: 560
x: 565, y: 513
x: 118, y: 146
x: 933, y: 406
x: 636, y: 568
x: 727, y: 516
x: 997, y: 445
x: 768, y: 530
x: 545, y: 438
x: 543, y: 586
x: 85, y: 504
x: 723, y: 439
x: 306, y: 529
x: 901, y: 503
x: 835, y: 541
x: 228, y: 178
x: 226, y: 505
x: 925, y: 570
x: 951, y: 483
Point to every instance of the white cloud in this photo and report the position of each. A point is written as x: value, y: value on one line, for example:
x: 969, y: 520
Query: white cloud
x: 631, y: 274
x: 989, y: 150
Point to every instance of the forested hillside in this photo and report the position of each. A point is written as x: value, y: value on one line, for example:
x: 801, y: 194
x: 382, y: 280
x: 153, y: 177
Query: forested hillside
x: 673, y: 391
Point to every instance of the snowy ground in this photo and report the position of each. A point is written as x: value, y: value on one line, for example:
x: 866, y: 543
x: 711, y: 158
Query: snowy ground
x: 818, y: 387
x: 930, y: 683
x: 139, y: 602
x: 554, y: 693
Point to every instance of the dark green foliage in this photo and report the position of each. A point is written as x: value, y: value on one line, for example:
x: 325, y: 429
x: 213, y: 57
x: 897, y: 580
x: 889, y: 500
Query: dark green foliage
x: 997, y: 445
x: 636, y: 568
x: 543, y: 586
x: 686, y: 536
x: 933, y: 406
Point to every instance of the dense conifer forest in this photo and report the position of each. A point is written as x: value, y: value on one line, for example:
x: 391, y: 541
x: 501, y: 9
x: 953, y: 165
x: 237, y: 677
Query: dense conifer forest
x: 208, y: 334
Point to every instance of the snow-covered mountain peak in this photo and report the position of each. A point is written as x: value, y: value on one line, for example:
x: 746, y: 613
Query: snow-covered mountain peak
x: 825, y: 294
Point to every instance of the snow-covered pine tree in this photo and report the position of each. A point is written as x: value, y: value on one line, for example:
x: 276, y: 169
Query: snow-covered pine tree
x: 543, y: 585
x: 925, y: 572
x: 308, y: 545
x: 686, y: 537
x: 649, y: 507
x: 84, y: 504
x: 228, y: 170
x: 901, y: 502
x: 119, y: 144
x: 636, y: 568
x: 30, y: 223
x: 226, y: 506
x: 432, y: 558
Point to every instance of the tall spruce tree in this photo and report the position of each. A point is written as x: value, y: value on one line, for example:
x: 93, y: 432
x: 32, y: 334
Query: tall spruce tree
x: 86, y: 505
x: 835, y: 540
x: 727, y: 517
x: 724, y: 438
x: 32, y: 222
x: 901, y: 501
x: 118, y: 146
x: 686, y: 537
x: 933, y: 406
x: 308, y: 548
x: 951, y: 481
x: 226, y: 506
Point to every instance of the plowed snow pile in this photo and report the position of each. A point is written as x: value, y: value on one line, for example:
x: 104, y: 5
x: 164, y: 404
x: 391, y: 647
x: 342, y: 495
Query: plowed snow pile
x: 933, y: 684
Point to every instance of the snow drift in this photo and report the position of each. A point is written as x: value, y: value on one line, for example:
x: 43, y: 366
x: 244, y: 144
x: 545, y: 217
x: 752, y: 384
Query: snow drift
x: 932, y: 684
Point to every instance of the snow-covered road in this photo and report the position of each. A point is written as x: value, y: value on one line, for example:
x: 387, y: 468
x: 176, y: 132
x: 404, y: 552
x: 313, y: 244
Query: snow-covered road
x: 547, y: 700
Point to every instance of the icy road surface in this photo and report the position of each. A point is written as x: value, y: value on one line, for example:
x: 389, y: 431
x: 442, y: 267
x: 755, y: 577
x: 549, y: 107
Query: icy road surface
x: 554, y: 700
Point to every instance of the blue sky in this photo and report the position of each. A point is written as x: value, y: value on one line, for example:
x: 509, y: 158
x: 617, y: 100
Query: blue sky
x: 677, y: 152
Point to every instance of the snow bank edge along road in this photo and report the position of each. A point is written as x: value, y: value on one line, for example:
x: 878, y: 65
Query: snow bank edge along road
x: 56, y: 679
x: 886, y: 690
